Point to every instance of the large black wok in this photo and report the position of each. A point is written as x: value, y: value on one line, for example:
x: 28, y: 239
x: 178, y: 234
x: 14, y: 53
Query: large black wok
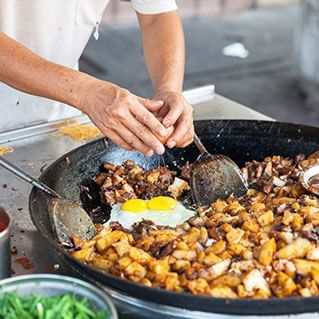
x: 240, y: 140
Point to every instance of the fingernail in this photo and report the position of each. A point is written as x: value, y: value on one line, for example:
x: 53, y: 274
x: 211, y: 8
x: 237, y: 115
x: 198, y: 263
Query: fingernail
x: 163, y: 132
x: 160, y: 150
x: 171, y: 144
x: 149, y: 153
x: 167, y: 122
x: 157, y: 102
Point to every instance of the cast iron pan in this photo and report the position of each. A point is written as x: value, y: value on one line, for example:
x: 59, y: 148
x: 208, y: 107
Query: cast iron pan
x: 240, y: 140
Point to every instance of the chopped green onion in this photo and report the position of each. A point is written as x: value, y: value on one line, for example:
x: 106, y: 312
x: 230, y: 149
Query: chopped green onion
x: 68, y: 306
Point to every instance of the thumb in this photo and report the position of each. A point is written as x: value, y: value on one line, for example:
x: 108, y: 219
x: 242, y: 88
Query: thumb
x: 152, y: 105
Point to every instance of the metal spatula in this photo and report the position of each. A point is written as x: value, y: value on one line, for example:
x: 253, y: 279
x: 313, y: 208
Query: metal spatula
x: 67, y: 216
x: 214, y: 177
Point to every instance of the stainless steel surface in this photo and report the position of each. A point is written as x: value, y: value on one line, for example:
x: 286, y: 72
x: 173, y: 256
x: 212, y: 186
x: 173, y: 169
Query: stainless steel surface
x: 27, y: 178
x: 35, y: 148
x: 68, y: 216
x: 51, y: 285
x: 5, y: 263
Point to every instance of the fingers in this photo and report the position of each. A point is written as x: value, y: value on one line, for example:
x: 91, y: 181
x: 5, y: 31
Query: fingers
x: 148, y: 119
x: 144, y: 134
x: 115, y: 138
x: 176, y: 107
x: 134, y: 141
x: 151, y: 105
x: 184, y: 131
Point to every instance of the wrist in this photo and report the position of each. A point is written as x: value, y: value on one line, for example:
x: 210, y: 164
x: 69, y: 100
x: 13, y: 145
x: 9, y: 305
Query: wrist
x: 165, y: 92
x: 91, y: 89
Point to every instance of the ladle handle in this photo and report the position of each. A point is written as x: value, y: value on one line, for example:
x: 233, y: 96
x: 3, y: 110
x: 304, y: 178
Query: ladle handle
x: 200, y: 145
x: 18, y: 172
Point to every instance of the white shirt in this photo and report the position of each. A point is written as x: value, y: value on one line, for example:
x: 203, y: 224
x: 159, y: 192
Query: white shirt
x: 57, y: 30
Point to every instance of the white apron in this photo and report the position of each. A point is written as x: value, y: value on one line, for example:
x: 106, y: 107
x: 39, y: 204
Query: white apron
x: 57, y: 30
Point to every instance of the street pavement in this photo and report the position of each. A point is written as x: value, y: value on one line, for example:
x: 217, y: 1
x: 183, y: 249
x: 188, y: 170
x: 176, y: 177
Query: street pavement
x: 265, y: 80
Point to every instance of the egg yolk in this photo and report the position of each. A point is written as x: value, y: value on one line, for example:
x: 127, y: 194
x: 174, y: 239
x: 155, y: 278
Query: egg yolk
x: 135, y: 205
x: 161, y: 203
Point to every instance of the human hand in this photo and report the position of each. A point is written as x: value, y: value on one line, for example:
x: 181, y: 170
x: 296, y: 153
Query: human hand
x: 123, y: 117
x: 178, y: 112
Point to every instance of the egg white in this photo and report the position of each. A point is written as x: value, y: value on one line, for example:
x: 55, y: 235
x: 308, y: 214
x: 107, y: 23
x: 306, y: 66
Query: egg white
x: 169, y: 218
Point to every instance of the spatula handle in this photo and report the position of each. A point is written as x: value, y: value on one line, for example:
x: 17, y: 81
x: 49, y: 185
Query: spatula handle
x: 200, y: 145
x: 18, y: 172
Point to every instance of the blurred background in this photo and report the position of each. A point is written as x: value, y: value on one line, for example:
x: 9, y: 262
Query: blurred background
x: 261, y: 53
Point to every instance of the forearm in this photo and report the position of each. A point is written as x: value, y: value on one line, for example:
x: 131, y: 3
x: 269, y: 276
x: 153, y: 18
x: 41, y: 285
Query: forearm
x: 164, y: 50
x: 28, y: 72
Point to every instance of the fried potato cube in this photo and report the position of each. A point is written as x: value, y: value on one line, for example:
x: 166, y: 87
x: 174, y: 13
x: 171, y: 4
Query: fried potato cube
x: 313, y: 253
x: 165, y: 235
x: 287, y: 218
x: 226, y: 254
x: 297, y: 222
x: 198, y: 286
x: 125, y: 261
x: 184, y: 254
x: 308, y: 211
x: 217, y: 247
x: 251, y: 225
x: 101, y: 263
x: 203, y: 236
x: 313, y: 289
x: 258, y: 207
x: 121, y: 247
x: 140, y: 255
x: 305, y: 292
x: 181, y: 246
x: 145, y: 282
x: 178, y: 187
x: 227, y: 280
x: 315, y: 274
x: 145, y: 243
x: 111, y: 254
x: 254, y: 280
x: 135, y: 271
x: 235, y: 235
x: 219, y: 269
x: 106, y: 241
x: 235, y: 207
x: 236, y: 248
x: 159, y: 266
x: 153, y: 176
x: 172, y: 282
x: 285, y: 285
x: 266, y: 218
x: 305, y: 267
x: 219, y: 206
x: 297, y: 249
x: 181, y: 265
x: 211, y: 259
x: 267, y: 251
x: 222, y: 292
x: 83, y: 255
x: 290, y: 268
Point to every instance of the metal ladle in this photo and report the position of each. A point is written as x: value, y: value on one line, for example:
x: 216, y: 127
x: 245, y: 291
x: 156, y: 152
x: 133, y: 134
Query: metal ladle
x: 214, y: 177
x: 68, y: 217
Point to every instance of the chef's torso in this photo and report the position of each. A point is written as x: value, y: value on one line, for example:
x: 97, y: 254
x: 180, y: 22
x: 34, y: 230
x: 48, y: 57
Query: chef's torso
x: 57, y: 30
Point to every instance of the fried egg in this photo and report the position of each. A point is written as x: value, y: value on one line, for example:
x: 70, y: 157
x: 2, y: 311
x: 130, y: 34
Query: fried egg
x: 161, y: 210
